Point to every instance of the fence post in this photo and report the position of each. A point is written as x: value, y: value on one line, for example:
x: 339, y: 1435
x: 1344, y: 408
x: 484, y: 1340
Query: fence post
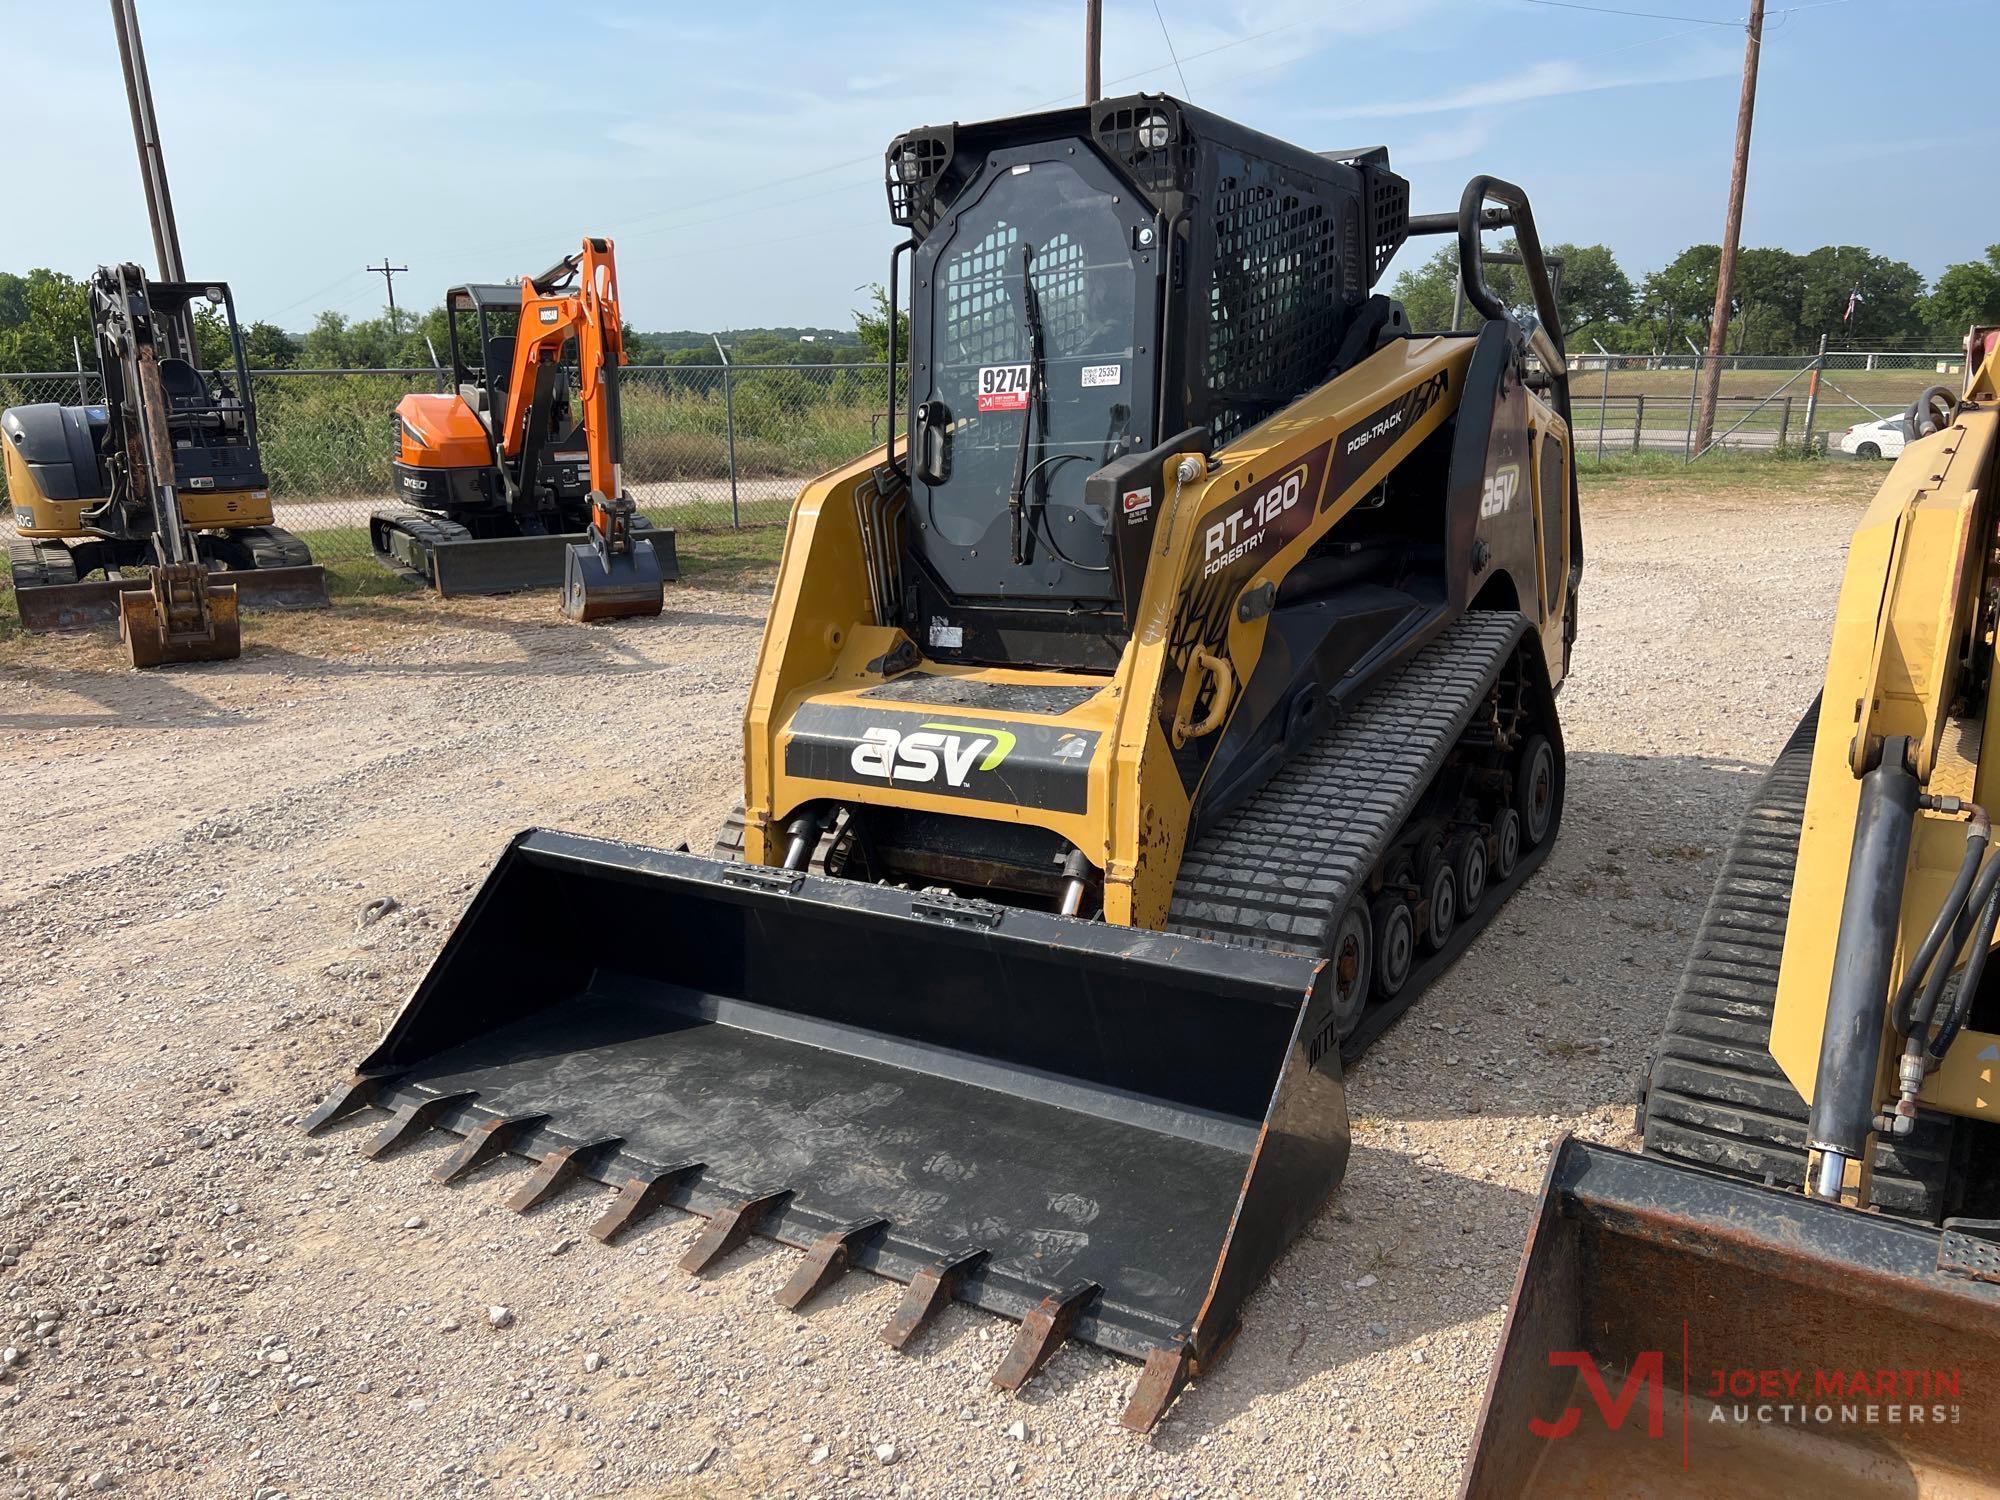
x: 1694, y: 393
x: 729, y: 417
x: 1812, y: 396
x: 1784, y: 423
x: 82, y: 394
x: 1603, y: 400
x: 1638, y: 419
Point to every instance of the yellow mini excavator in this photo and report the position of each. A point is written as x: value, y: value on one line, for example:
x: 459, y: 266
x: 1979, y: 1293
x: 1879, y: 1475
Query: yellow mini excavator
x: 1796, y: 1288
x: 1125, y: 751
x: 160, y: 489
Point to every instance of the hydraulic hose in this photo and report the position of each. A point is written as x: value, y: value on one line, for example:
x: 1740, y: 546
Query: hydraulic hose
x: 1975, y: 964
x: 1978, y: 834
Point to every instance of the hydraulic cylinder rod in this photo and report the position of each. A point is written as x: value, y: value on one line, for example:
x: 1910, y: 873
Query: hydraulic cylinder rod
x: 1850, y: 1048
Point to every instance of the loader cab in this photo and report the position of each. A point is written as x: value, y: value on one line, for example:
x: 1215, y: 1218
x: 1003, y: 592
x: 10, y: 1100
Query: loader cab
x: 1087, y: 284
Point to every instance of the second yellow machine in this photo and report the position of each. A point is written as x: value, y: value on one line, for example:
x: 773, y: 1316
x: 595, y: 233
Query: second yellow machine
x: 1123, y: 751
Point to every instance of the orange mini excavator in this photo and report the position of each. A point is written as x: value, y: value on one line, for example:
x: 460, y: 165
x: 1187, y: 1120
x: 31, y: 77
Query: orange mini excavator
x: 514, y: 480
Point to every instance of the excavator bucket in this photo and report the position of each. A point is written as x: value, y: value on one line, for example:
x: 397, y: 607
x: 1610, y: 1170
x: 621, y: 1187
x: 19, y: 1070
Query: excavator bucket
x: 1677, y: 1332
x: 181, y: 617
x: 1106, y: 1133
x: 99, y: 602
x: 601, y: 583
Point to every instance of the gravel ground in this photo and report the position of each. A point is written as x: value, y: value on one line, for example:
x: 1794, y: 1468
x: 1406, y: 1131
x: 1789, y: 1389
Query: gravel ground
x: 197, y: 1300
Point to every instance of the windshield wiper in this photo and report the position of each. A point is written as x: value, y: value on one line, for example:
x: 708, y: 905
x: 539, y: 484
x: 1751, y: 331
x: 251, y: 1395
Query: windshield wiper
x: 1031, y: 304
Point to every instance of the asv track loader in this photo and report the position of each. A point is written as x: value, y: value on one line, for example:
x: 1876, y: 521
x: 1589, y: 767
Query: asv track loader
x: 1123, y: 753
x: 514, y: 479
x: 1796, y: 1288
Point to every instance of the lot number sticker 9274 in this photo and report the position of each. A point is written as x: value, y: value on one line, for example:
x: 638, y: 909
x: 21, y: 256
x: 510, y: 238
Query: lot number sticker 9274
x: 1003, y: 387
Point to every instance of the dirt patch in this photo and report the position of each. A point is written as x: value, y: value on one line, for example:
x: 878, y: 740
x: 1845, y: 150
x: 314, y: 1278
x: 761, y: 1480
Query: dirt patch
x: 204, y: 1302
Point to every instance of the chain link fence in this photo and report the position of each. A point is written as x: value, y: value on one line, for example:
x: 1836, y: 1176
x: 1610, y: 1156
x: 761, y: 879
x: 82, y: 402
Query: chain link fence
x: 717, y: 447
x: 1792, y: 404
x: 707, y: 447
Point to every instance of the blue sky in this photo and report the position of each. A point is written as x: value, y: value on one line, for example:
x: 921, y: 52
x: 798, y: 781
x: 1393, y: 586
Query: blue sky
x: 733, y: 151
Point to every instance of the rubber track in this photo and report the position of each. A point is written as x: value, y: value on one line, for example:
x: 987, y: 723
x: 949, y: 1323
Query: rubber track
x: 274, y: 547
x: 1716, y: 1097
x: 426, y: 530
x: 38, y: 564
x: 1277, y: 871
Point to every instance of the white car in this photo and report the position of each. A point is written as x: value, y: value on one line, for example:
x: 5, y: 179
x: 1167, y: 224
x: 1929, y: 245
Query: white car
x: 1883, y: 439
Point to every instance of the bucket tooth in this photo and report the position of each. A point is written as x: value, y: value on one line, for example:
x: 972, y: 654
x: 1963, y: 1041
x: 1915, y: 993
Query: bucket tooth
x: 357, y: 1096
x: 824, y: 1264
x: 729, y: 1229
x: 930, y: 1289
x: 411, y: 1121
x: 1167, y: 1370
x: 639, y: 1197
x: 559, y: 1168
x: 1042, y: 1333
x: 484, y: 1144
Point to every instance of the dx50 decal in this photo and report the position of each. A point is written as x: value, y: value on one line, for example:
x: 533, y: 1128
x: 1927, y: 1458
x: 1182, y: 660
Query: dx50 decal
x: 1022, y: 763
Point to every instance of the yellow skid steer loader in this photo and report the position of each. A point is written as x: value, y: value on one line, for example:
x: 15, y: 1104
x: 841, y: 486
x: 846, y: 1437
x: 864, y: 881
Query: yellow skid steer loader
x: 1123, y: 753
x: 1796, y: 1288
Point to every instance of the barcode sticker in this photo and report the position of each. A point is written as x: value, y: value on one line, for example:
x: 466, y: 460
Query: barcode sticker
x: 1094, y: 375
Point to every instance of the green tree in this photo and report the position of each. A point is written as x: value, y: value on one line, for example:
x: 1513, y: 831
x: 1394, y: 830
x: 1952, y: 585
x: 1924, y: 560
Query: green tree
x: 40, y: 314
x: 1770, y: 290
x: 873, y: 324
x: 1967, y: 295
x: 1677, y: 301
x: 1892, y: 291
x: 1594, y: 293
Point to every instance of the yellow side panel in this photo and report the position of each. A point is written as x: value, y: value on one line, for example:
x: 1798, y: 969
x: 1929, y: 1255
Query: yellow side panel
x: 33, y: 513
x: 820, y: 598
x: 204, y: 510
x: 1910, y: 590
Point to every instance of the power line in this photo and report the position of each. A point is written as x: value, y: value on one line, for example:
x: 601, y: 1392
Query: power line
x: 1643, y: 15
x: 1186, y: 92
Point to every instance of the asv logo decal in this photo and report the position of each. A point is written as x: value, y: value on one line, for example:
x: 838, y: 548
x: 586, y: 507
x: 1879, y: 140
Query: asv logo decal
x: 1501, y: 487
x: 935, y: 750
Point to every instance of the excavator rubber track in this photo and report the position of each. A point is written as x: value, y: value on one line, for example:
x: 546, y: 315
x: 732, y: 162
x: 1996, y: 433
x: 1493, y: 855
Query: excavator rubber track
x: 1277, y: 871
x: 1715, y: 1097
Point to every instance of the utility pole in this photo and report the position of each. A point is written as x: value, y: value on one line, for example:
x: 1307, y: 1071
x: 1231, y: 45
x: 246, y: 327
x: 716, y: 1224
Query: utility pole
x: 1732, y: 232
x: 388, y: 273
x: 1093, y: 50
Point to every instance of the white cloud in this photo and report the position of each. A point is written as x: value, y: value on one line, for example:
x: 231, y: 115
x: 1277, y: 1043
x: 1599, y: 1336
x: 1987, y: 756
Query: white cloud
x: 1544, y: 80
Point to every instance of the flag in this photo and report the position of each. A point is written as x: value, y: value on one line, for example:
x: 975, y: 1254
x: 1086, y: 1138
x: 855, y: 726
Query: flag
x: 1853, y: 301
